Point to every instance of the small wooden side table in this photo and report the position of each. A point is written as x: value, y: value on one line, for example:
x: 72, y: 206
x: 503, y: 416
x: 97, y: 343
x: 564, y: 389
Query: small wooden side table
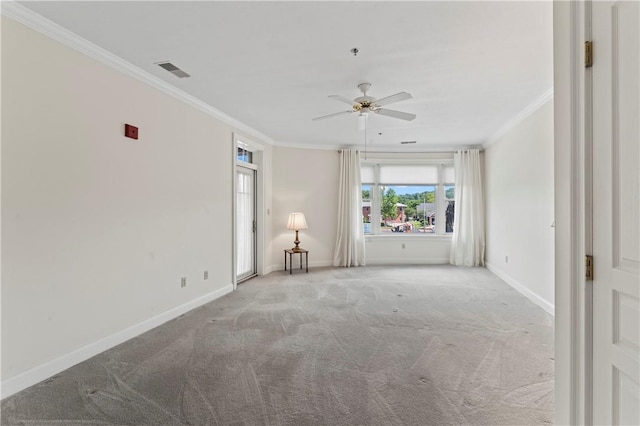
x: 291, y: 252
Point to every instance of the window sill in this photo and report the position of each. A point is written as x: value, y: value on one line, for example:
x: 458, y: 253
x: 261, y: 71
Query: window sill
x: 429, y: 237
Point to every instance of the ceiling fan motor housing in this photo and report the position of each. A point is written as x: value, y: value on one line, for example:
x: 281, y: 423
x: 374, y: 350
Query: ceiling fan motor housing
x: 364, y: 102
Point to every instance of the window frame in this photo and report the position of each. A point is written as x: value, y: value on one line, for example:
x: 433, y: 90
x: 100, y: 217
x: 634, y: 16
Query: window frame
x: 440, y: 198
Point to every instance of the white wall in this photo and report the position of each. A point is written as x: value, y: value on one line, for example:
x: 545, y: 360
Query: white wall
x: 520, y: 207
x: 266, y: 245
x: 562, y: 82
x: 305, y: 180
x: 98, y: 228
x: 408, y: 249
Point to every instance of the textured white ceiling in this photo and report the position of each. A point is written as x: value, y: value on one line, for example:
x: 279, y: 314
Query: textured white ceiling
x: 470, y: 66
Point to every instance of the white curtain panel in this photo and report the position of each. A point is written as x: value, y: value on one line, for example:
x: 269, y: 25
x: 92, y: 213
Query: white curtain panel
x: 468, y: 243
x: 349, y: 250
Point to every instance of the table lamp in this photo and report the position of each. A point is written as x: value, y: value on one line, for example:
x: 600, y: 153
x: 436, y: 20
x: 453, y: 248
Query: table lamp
x: 297, y: 222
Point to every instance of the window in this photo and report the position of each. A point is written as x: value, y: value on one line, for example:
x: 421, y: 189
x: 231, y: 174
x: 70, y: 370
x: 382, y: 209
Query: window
x: 407, y: 208
x: 407, y: 198
x: 366, y: 208
x: 245, y: 155
x: 449, y: 196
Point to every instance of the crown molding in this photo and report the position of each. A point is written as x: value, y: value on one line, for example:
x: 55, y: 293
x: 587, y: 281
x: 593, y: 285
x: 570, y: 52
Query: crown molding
x: 417, y: 148
x: 26, y: 16
x: 324, y: 147
x: 518, y: 118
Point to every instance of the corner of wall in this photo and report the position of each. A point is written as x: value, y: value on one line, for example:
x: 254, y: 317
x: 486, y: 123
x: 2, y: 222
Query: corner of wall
x: 518, y: 118
x: 548, y: 307
x: 35, y: 375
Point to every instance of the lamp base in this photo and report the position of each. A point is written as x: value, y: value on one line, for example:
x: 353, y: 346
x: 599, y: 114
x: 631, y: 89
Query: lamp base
x: 296, y: 248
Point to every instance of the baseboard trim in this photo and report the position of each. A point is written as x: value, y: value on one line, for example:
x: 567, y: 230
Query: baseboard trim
x: 374, y: 262
x: 408, y: 261
x: 548, y: 307
x: 37, y: 374
x: 279, y: 267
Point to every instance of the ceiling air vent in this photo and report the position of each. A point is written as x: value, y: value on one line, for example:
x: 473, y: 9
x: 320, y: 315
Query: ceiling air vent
x: 173, y: 69
x: 407, y: 142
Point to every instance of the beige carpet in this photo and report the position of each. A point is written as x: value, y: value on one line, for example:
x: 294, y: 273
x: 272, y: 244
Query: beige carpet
x: 435, y: 345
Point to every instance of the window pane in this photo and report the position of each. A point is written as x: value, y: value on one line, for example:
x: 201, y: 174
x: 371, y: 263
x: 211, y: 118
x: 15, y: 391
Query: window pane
x: 449, y: 216
x: 244, y: 155
x: 408, y: 208
x: 449, y: 195
x: 449, y: 192
x: 366, y: 208
x: 415, y: 174
x: 366, y: 173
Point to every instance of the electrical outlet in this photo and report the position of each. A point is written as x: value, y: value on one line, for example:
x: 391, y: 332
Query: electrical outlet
x: 206, y: 275
x: 183, y: 282
x: 403, y: 246
x: 506, y: 259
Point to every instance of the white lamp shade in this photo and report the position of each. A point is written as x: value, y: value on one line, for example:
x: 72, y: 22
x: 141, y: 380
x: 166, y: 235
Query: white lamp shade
x: 297, y: 221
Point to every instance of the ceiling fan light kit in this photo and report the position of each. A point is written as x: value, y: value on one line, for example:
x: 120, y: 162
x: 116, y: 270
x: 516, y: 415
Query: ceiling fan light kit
x: 362, y: 121
x: 366, y: 104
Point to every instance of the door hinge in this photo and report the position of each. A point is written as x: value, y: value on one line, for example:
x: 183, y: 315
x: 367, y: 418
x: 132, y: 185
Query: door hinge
x: 255, y: 226
x: 588, y: 54
x: 588, y: 267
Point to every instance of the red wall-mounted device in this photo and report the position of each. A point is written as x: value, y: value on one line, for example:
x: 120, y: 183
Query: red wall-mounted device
x: 131, y: 131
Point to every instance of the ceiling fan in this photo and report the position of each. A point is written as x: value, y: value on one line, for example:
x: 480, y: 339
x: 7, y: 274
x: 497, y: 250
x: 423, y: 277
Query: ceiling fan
x: 366, y: 104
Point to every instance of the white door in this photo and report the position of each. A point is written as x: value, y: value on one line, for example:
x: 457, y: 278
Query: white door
x: 616, y: 212
x: 245, y: 223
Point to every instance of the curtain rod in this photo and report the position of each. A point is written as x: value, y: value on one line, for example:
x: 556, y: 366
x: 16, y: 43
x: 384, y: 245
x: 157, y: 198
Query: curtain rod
x: 418, y: 152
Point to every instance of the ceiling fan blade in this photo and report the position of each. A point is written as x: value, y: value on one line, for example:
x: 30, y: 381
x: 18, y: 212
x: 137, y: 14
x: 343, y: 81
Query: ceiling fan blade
x: 402, y: 96
x: 335, y: 114
x: 395, y: 114
x: 342, y: 99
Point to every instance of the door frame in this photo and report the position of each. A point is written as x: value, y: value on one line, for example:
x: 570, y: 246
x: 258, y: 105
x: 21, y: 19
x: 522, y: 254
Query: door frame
x: 259, y: 160
x: 573, y: 213
x: 253, y: 168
